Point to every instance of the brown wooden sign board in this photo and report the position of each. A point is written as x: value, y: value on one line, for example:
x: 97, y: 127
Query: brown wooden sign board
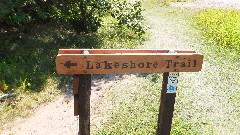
x: 96, y: 61
x: 84, y: 62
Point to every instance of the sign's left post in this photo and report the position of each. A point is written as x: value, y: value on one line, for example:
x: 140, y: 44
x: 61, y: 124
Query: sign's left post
x: 82, y: 92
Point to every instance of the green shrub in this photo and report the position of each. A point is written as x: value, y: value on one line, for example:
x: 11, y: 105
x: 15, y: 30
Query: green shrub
x: 128, y: 14
x: 220, y: 27
x: 84, y: 16
x: 107, y: 24
x: 113, y: 36
x: 15, y: 13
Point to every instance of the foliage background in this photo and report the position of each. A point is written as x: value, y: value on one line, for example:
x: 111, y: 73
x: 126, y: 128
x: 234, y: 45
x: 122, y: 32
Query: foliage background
x: 32, y: 31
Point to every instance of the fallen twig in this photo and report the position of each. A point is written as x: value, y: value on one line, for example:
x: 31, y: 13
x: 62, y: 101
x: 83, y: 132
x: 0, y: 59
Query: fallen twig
x: 6, y: 96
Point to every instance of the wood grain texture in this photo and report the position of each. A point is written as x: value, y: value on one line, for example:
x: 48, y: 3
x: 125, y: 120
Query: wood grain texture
x: 114, y: 51
x: 84, y: 91
x: 166, y: 109
x: 75, y: 95
x: 128, y: 63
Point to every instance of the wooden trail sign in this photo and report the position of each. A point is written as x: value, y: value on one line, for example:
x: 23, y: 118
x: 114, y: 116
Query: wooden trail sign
x: 127, y: 61
x: 84, y: 62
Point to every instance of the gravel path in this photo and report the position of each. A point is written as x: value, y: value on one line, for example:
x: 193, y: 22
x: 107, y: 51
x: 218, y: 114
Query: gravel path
x: 56, y: 118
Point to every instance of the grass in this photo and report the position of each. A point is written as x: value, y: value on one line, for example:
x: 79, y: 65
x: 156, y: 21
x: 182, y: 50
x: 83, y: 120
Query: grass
x: 134, y: 117
x: 27, y: 101
x: 134, y: 111
x: 221, y: 29
x: 206, y: 102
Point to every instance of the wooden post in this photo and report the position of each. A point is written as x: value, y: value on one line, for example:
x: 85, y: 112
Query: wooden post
x: 166, y: 108
x: 84, y: 90
x: 76, y: 94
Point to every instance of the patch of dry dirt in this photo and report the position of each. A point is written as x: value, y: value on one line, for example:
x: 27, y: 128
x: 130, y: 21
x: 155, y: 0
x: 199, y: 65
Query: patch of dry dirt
x: 209, y: 4
x: 56, y: 118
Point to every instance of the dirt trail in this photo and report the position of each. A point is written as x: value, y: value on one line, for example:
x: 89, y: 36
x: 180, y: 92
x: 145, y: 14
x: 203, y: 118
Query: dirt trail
x: 56, y: 118
x: 207, y: 92
x: 209, y: 4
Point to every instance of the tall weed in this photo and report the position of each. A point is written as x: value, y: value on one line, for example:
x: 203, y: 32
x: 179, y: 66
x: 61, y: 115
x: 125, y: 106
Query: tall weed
x: 221, y: 28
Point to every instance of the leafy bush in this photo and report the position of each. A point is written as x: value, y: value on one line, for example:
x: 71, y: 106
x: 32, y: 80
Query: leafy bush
x: 79, y: 23
x: 32, y: 31
x: 83, y: 16
x: 220, y: 28
x: 19, y: 12
x: 128, y: 14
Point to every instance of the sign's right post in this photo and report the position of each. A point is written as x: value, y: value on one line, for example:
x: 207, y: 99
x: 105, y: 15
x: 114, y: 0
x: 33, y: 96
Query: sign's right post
x: 166, y: 108
x: 168, y: 94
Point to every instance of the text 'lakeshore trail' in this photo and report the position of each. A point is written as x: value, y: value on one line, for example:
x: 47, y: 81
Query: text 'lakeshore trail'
x: 134, y: 65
